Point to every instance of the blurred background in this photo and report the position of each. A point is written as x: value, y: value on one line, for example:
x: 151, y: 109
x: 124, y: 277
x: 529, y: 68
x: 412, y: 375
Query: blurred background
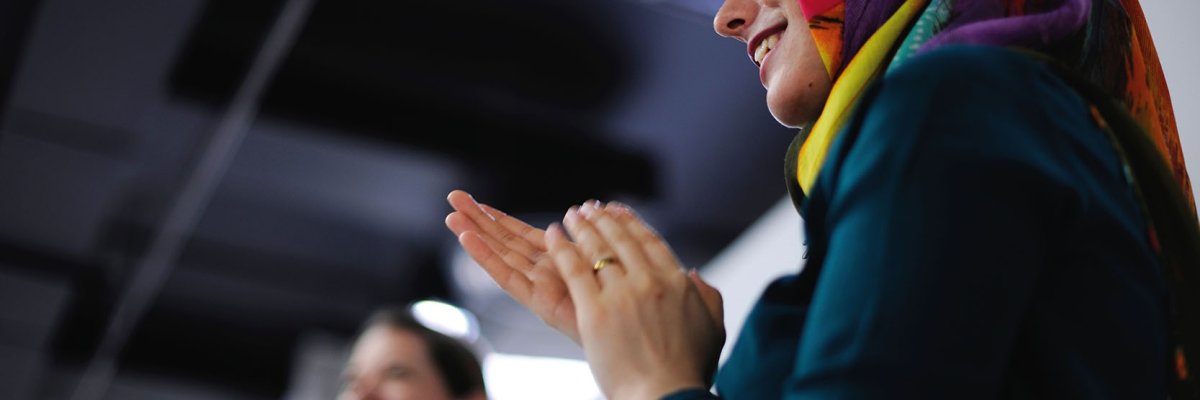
x: 202, y: 199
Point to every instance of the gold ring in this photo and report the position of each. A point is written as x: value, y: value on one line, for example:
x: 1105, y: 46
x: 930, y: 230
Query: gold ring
x: 601, y: 263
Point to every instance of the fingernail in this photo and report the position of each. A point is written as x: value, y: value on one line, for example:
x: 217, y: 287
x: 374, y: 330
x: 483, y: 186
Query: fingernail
x: 587, y: 208
x: 560, y: 232
x: 484, y: 210
x: 620, y: 208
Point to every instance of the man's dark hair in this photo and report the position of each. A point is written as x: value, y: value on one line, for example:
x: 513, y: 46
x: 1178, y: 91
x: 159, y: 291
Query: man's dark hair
x: 453, y: 358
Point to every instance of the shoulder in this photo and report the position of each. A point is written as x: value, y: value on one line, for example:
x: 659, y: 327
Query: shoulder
x: 990, y: 96
x: 967, y: 110
x: 976, y: 80
x: 965, y: 67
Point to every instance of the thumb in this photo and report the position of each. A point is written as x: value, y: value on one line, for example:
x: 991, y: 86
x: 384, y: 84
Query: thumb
x: 711, y: 297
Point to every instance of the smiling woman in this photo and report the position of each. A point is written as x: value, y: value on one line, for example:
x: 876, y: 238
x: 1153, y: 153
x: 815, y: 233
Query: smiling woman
x: 790, y: 67
x: 993, y: 194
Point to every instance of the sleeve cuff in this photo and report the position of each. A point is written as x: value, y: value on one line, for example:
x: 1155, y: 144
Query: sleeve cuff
x: 690, y: 394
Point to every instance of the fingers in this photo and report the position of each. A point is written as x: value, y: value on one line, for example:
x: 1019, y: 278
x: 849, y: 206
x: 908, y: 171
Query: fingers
x: 533, y: 236
x: 460, y: 224
x: 711, y: 296
x: 625, y: 246
x: 491, y: 226
x: 581, y: 280
x: 656, y: 248
x: 552, y: 302
x: 591, y: 242
x: 511, y: 280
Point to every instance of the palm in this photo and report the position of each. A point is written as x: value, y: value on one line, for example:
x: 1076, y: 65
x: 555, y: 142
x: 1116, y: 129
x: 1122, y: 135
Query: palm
x: 514, y: 255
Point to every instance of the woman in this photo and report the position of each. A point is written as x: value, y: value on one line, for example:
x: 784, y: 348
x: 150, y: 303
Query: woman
x: 993, y: 198
x: 397, y: 358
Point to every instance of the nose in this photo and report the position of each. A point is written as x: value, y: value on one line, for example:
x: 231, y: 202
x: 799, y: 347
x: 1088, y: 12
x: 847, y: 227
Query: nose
x: 734, y: 18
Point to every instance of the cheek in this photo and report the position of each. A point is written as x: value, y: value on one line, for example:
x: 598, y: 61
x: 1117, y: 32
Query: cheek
x: 395, y: 390
x: 798, y: 92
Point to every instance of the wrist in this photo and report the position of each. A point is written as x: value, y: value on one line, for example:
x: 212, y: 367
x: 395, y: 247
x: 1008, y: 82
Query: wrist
x: 656, y: 389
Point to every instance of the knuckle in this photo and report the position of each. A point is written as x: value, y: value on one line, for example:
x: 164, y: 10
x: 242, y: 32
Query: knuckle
x: 577, y: 273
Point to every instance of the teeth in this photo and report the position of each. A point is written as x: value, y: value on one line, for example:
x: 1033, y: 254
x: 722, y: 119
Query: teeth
x: 760, y: 52
x: 765, y: 46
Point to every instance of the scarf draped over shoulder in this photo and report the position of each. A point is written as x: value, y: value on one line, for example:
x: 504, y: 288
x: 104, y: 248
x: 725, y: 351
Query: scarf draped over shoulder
x: 1108, y: 40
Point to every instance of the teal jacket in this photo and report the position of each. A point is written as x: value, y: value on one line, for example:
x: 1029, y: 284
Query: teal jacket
x: 971, y: 235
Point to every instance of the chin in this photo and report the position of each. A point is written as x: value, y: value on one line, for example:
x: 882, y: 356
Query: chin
x: 792, y: 123
x: 794, y: 116
x: 797, y: 98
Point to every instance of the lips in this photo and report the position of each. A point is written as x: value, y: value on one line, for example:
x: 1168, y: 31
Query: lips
x: 765, y: 46
x: 763, y: 42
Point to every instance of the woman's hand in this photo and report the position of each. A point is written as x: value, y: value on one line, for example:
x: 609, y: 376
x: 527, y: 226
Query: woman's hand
x: 647, y: 328
x: 514, y: 254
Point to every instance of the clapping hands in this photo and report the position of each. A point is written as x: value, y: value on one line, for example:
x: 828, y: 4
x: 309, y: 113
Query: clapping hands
x: 514, y: 254
x: 647, y: 327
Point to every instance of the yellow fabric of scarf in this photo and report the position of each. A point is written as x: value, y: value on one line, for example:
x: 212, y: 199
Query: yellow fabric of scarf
x: 860, y: 71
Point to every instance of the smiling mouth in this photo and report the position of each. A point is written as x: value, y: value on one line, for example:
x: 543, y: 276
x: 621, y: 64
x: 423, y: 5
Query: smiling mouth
x: 763, y: 43
x: 765, y: 47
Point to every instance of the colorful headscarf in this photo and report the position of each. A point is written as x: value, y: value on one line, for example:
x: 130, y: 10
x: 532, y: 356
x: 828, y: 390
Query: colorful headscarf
x: 1107, y: 41
x: 851, y: 74
x: 855, y: 37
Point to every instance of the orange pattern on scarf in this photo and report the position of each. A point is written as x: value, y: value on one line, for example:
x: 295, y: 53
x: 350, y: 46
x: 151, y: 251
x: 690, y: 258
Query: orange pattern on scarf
x: 826, y: 30
x: 1148, y: 99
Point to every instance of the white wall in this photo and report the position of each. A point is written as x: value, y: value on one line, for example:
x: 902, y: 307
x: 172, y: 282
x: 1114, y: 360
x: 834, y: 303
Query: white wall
x: 1175, y: 32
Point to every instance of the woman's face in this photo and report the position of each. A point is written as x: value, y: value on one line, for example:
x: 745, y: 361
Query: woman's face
x: 391, y: 364
x: 779, y: 41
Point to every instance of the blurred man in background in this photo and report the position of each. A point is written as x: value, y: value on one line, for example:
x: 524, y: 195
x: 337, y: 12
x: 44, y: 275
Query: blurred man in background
x: 396, y: 357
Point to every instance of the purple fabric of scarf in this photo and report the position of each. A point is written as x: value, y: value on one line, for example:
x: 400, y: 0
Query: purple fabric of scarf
x: 973, y: 22
x: 862, y: 18
x: 985, y: 22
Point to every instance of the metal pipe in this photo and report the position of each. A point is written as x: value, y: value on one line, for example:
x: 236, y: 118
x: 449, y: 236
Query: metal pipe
x: 194, y: 197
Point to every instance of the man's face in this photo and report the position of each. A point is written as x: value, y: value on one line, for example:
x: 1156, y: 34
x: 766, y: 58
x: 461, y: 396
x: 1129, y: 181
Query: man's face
x: 392, y: 364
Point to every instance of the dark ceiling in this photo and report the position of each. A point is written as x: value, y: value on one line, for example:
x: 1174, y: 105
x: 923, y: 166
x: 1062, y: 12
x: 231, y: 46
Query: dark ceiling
x: 491, y: 81
x: 334, y: 201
